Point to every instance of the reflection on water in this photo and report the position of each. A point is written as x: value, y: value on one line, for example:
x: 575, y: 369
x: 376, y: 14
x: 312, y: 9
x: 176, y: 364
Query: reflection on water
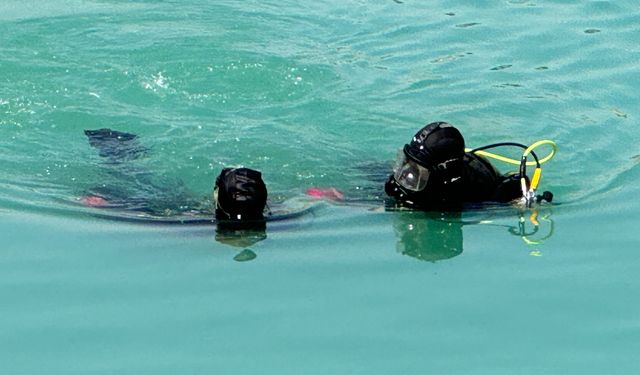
x: 539, y: 230
x: 241, y: 237
x: 428, y: 236
x: 434, y: 236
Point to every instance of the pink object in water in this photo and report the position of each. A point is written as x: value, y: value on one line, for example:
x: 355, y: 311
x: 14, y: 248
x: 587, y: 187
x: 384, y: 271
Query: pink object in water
x: 329, y: 193
x: 94, y: 201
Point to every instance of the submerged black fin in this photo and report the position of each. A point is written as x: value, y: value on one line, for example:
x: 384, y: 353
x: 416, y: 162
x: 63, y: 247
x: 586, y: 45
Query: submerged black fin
x: 114, y: 145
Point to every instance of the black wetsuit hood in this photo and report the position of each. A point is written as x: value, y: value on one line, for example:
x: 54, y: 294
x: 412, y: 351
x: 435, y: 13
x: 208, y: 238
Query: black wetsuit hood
x: 241, y: 195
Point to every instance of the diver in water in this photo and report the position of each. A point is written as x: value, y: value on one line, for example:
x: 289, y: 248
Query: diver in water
x: 238, y: 209
x: 239, y: 198
x: 435, y: 172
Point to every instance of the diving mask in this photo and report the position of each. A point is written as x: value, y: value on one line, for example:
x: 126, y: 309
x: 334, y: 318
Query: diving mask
x: 409, y: 174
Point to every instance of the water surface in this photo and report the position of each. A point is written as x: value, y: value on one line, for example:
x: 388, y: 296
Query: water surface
x: 312, y: 94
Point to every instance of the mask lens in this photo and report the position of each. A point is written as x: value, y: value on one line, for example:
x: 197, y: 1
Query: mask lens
x: 410, y: 174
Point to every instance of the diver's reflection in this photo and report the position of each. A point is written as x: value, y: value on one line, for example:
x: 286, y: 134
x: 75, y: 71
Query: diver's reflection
x: 434, y: 236
x: 429, y: 236
x: 241, y: 236
x: 530, y: 230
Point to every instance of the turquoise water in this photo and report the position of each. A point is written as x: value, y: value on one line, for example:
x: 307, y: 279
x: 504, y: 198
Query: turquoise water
x: 311, y: 93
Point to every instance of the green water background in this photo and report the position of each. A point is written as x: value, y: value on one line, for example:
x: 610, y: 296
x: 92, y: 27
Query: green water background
x: 307, y: 92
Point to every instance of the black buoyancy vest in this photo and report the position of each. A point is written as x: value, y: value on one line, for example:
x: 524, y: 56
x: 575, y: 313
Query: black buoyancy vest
x: 482, y: 182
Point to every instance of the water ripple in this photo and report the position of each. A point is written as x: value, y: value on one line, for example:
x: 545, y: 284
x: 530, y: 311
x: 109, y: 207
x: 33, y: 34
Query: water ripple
x: 297, y: 90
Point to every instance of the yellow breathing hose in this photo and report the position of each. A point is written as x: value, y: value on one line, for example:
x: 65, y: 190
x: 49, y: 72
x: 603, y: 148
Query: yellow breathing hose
x: 528, y: 192
x: 526, y: 153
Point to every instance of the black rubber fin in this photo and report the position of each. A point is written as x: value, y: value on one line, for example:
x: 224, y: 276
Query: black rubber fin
x: 115, y: 145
